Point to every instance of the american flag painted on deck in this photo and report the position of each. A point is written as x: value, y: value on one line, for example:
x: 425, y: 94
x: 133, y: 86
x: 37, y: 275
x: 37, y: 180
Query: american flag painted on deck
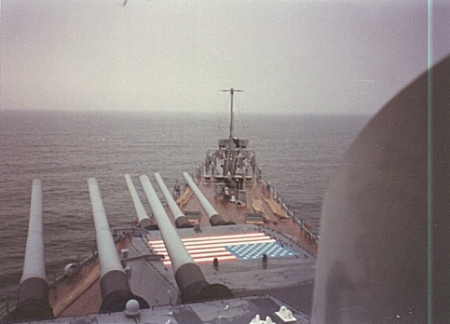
x: 230, y: 247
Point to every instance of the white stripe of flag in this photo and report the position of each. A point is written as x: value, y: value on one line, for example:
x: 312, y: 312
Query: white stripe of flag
x: 205, y: 248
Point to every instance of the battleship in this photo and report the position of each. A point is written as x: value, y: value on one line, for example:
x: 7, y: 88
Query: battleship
x: 221, y: 246
x: 224, y: 249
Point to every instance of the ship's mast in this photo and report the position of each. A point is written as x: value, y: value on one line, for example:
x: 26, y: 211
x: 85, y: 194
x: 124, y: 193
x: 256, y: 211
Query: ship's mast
x: 231, y: 91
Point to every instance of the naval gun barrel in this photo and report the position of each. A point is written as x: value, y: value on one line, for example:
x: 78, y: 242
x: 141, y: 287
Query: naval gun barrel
x: 33, y: 302
x: 114, y: 284
x: 189, y: 277
x: 214, y: 217
x: 144, y: 220
x: 180, y: 219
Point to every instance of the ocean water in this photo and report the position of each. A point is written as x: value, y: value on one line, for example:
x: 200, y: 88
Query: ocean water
x: 297, y: 154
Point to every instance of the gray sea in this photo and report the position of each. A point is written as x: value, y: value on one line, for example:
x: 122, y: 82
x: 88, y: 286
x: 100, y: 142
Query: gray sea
x: 297, y: 154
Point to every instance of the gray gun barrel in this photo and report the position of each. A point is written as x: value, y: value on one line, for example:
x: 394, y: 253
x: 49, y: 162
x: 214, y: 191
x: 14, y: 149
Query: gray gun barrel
x: 214, y: 217
x: 33, y: 303
x: 144, y: 220
x: 180, y: 219
x: 189, y: 277
x: 114, y: 284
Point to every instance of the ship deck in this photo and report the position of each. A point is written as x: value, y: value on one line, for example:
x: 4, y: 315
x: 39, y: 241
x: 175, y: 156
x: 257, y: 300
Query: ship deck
x: 257, y: 200
x: 290, y: 278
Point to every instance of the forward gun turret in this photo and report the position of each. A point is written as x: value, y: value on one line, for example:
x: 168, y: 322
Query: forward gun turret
x: 214, y: 217
x: 189, y: 277
x: 181, y: 220
x: 114, y: 284
x: 33, y: 302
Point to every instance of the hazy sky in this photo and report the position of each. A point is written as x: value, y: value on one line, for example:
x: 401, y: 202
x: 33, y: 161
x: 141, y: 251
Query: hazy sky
x: 300, y: 56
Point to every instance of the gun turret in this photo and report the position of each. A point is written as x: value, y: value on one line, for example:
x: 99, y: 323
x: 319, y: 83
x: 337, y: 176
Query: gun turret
x: 114, y: 284
x: 180, y: 219
x: 392, y: 187
x: 214, y: 217
x: 144, y: 220
x: 189, y: 277
x: 33, y: 303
